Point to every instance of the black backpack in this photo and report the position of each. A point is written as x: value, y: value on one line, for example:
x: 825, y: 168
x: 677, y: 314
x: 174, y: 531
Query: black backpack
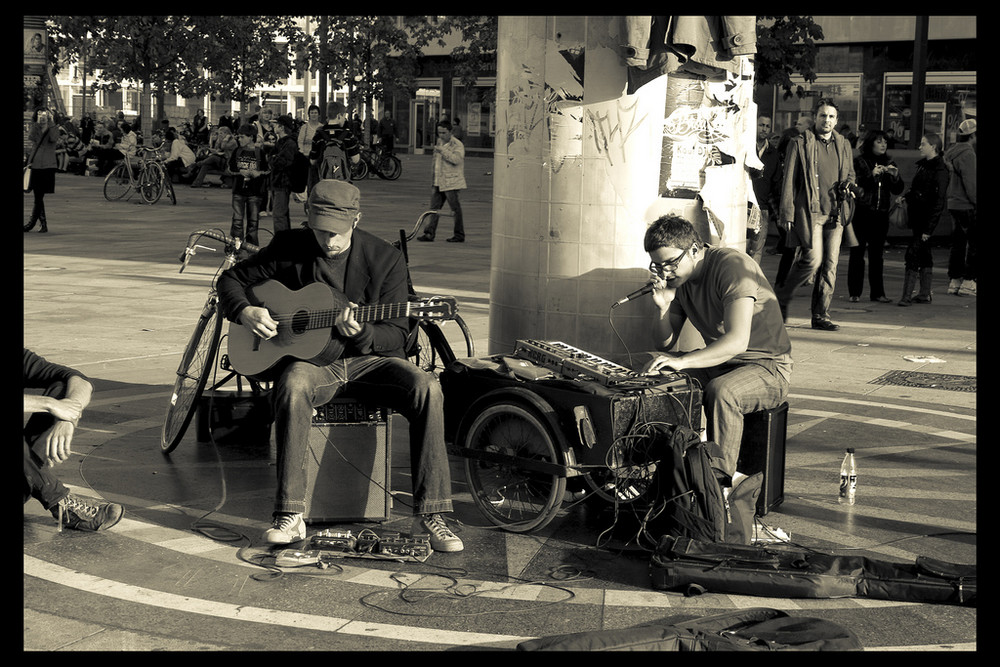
x: 689, y: 498
x: 298, y: 176
x: 333, y: 163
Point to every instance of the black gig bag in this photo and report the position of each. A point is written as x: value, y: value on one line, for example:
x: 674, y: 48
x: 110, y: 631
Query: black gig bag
x: 695, y: 566
x: 753, y: 629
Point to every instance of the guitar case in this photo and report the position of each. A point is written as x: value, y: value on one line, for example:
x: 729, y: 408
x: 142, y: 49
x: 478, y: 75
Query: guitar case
x: 694, y: 566
x: 753, y: 629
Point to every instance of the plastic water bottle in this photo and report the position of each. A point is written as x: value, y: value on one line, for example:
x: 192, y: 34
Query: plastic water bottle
x: 848, y: 478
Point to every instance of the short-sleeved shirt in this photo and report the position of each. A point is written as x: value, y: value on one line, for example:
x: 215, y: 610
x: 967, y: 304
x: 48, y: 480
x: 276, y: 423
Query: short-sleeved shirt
x: 728, y: 274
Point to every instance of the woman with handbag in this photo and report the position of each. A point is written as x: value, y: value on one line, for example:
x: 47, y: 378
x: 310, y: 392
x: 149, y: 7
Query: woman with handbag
x: 924, y: 204
x: 878, y: 177
x: 45, y: 136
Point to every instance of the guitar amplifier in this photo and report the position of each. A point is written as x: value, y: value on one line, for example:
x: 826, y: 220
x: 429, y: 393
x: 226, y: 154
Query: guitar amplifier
x: 763, y: 450
x: 348, y: 464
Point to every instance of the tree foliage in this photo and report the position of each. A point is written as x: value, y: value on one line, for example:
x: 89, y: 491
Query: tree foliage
x: 786, y: 45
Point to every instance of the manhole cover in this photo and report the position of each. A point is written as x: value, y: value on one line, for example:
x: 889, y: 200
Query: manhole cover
x: 928, y: 380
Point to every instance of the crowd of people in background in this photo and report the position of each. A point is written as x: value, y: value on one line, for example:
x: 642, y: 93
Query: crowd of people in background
x: 944, y: 180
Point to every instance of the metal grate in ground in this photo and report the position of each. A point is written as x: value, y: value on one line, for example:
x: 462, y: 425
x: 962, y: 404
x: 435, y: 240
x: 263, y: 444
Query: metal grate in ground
x: 928, y: 380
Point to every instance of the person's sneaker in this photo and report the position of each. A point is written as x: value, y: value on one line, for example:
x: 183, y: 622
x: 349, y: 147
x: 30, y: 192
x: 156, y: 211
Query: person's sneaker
x: 954, y: 285
x: 968, y: 288
x: 442, y: 539
x: 285, y: 529
x: 90, y: 514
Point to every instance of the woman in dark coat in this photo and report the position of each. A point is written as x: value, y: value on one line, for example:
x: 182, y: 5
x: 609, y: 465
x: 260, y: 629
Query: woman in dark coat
x: 925, y: 202
x: 878, y: 178
x: 44, y: 135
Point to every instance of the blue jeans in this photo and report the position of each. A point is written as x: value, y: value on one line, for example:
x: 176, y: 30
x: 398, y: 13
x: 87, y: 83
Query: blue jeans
x: 819, y: 261
x: 437, y: 201
x: 248, y: 206
x: 387, y: 381
x: 732, y: 390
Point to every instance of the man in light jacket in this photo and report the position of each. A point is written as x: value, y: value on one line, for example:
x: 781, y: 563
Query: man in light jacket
x: 449, y: 178
x: 818, y: 163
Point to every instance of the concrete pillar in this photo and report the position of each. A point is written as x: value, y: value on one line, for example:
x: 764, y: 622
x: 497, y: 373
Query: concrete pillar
x: 582, y: 167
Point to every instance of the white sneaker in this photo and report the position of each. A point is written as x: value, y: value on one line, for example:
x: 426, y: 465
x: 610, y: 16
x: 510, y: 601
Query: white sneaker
x: 953, y: 285
x: 968, y: 288
x: 442, y: 539
x: 285, y: 529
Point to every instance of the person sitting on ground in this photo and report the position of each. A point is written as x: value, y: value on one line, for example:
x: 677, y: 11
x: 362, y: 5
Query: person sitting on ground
x: 366, y: 359
x: 180, y: 158
x: 48, y: 438
x: 220, y: 149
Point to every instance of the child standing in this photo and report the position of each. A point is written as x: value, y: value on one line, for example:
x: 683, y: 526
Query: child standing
x: 248, y: 166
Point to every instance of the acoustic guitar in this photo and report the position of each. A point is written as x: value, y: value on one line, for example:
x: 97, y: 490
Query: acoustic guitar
x: 305, y: 324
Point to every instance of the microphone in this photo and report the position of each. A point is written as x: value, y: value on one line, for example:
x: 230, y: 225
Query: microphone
x: 642, y: 291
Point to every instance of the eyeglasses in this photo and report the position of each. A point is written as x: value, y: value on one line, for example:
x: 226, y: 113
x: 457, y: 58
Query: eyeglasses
x: 660, y: 268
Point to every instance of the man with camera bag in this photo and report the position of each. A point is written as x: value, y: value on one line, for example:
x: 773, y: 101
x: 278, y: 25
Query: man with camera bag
x: 817, y: 203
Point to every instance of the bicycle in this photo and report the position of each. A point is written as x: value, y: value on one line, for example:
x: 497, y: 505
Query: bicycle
x: 147, y: 178
x: 375, y: 160
x: 426, y: 345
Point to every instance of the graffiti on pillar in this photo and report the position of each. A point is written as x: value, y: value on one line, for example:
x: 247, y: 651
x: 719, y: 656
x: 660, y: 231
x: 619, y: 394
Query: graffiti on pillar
x: 525, y: 111
x: 611, y: 129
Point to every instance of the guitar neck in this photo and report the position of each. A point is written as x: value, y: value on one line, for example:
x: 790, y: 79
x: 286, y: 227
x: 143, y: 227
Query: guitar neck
x: 324, y: 319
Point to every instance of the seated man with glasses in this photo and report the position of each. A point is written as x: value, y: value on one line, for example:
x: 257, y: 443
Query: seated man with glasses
x: 746, y: 362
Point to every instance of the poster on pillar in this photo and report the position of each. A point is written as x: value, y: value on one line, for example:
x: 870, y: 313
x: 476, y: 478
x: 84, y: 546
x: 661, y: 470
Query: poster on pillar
x: 707, y: 125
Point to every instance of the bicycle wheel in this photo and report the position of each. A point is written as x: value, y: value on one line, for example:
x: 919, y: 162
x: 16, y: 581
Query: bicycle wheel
x: 192, y: 376
x: 389, y: 167
x: 509, y: 468
x: 117, y: 184
x: 151, y: 180
x: 359, y: 171
x: 431, y: 350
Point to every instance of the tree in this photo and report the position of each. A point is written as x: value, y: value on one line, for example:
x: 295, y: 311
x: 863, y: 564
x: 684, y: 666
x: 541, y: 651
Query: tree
x: 786, y: 45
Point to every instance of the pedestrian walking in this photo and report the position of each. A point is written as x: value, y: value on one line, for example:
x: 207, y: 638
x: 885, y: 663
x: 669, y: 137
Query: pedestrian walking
x: 819, y: 169
x: 44, y: 136
x: 448, y: 180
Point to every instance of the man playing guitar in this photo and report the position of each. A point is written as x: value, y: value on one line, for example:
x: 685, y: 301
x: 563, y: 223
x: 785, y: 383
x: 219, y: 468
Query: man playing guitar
x: 368, y: 357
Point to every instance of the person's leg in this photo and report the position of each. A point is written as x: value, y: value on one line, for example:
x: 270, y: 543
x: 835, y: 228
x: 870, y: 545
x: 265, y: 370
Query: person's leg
x: 253, y: 219
x: 282, y: 218
x: 430, y: 226
x: 239, y: 211
x: 876, y: 257
x: 416, y: 395
x: 456, y: 207
x: 802, y: 269
x: 732, y: 392
x: 300, y: 387
x: 826, y: 277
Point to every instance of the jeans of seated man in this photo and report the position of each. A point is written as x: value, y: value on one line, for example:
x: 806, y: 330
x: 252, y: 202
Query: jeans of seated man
x: 732, y: 390
x: 39, y: 482
x: 391, y: 382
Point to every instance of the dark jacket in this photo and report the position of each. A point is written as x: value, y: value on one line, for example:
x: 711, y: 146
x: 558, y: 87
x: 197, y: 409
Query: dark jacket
x: 376, y: 274
x: 928, y: 195
x: 767, y: 183
x: 281, y: 160
x: 800, y: 195
x: 876, y: 191
x: 961, y: 162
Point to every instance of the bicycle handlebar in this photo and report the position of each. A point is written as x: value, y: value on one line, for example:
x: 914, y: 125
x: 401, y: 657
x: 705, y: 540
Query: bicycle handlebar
x: 232, y: 244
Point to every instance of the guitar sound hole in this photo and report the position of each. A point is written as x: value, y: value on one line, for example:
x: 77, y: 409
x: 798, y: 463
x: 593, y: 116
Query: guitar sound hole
x: 300, y: 322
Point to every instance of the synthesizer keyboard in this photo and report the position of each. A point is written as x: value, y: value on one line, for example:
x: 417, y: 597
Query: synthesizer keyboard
x: 572, y: 362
